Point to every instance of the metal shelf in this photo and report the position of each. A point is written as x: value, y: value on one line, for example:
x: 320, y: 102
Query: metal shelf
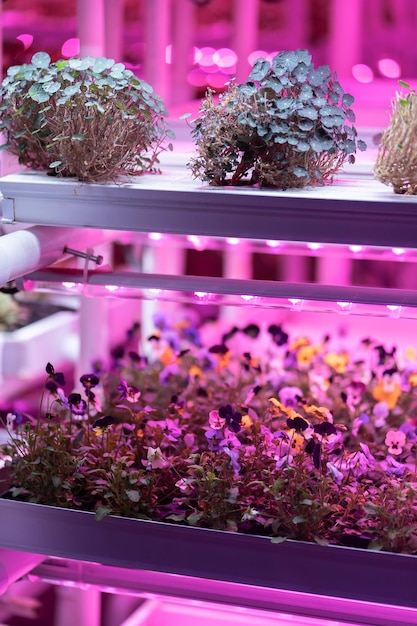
x: 223, y: 557
x: 350, y: 211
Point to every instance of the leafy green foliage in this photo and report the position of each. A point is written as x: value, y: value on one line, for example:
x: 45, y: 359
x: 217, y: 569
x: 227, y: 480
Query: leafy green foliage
x: 91, y: 118
x: 287, y: 126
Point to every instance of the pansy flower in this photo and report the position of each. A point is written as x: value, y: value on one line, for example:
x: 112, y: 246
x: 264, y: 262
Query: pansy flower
x: 222, y: 354
x: 297, y: 423
x: 155, y: 459
x: 290, y: 396
x: 214, y: 437
x: 233, y: 418
x: 251, y: 362
x: 395, y: 440
x: 89, y: 380
x: 412, y: 379
x: 320, y: 412
x: 305, y: 355
x: 354, y: 393
x: 128, y: 392
x: 337, y: 360
x: 296, y: 441
x: 326, y: 431
x: 359, y: 421
x: 58, y: 377
x: 10, y: 420
x: 380, y: 413
x: 388, y: 388
x: 103, y: 424
x: 278, y: 335
x: 246, y: 421
x: 76, y: 404
x: 216, y: 421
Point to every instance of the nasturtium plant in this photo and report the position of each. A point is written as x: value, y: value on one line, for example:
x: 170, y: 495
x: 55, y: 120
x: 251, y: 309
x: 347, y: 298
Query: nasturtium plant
x: 396, y: 162
x: 289, y: 125
x: 86, y: 117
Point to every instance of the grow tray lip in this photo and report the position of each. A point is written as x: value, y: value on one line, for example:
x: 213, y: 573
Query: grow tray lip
x: 309, y: 568
x: 361, y: 211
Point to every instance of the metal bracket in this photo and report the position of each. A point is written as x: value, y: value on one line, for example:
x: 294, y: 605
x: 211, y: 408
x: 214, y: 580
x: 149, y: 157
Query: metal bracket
x: 7, y: 206
x: 98, y: 259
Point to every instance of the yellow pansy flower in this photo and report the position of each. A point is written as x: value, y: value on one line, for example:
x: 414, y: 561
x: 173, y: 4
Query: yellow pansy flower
x: 299, y: 342
x: 337, y: 360
x: 296, y: 441
x: 306, y: 354
x: 387, y: 390
x: 412, y: 379
x: 246, y: 421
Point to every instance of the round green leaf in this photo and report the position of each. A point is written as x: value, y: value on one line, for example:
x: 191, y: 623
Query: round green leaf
x: 38, y: 94
x: 51, y: 87
x: 41, y: 59
x: 133, y: 495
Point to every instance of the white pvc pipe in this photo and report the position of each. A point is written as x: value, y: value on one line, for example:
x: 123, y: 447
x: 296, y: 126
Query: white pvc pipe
x: 24, y: 251
x: 90, y: 27
x: 14, y: 565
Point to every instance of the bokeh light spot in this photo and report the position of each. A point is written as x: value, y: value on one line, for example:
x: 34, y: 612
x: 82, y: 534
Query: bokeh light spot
x: 257, y: 54
x: 224, y: 57
x: 71, y: 48
x: 389, y: 68
x: 362, y: 73
x: 26, y: 39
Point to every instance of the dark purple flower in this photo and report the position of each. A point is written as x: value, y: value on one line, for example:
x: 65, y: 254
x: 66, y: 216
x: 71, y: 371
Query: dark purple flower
x: 219, y: 349
x: 213, y: 437
x: 89, y: 380
x: 251, y: 330
x: 77, y: 405
x: 278, y: 335
x: 58, y: 377
x: 233, y: 418
x: 101, y: 425
x: 324, y: 429
x: 128, y: 392
x: 298, y: 423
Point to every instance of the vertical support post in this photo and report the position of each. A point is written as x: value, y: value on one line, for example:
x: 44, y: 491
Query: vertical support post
x: 296, y: 21
x: 182, y: 46
x: 161, y: 258
x: 334, y: 270
x: 113, y: 28
x: 90, y: 27
x: 237, y: 263
x: 157, y: 38
x: 245, y: 38
x: 345, y: 36
x: 78, y: 606
x: 294, y: 268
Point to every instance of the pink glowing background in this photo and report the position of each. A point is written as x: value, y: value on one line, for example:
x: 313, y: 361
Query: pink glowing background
x: 182, y: 47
